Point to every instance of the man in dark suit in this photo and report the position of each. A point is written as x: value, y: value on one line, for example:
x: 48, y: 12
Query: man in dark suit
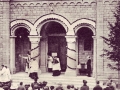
x: 89, y: 69
x: 84, y: 87
x: 97, y: 87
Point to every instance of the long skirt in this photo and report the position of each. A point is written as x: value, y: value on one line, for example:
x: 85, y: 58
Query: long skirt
x: 56, y: 72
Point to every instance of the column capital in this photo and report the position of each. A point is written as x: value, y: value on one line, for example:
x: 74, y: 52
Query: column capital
x: 34, y: 38
x: 13, y: 36
x: 94, y: 37
x: 70, y: 38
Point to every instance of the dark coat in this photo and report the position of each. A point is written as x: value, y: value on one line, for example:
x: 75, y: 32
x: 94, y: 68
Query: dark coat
x: 107, y: 88
x: 84, y: 87
x: 97, y: 87
x: 89, y: 65
x: 35, y: 85
x: 21, y: 87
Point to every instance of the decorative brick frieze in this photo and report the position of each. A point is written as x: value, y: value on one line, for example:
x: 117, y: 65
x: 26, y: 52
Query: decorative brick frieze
x: 55, y: 3
x: 110, y: 1
x: 69, y: 9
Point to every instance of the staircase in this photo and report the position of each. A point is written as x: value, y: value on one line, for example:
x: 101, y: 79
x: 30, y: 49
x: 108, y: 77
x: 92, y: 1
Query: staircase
x: 54, y: 80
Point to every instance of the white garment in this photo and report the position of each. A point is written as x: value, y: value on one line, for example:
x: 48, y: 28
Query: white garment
x: 1, y: 88
x: 56, y: 66
x: 26, y: 68
x: 50, y: 64
x: 4, y: 75
x: 30, y: 88
x: 27, y: 61
x: 8, y: 73
x: 114, y: 85
x: 33, y: 66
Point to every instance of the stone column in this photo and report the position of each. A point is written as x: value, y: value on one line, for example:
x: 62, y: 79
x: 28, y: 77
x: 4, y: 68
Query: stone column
x: 71, y: 58
x: 77, y: 56
x: 12, y: 54
x: 35, y: 48
x: 100, y: 42
x: 94, y: 56
x: 44, y: 51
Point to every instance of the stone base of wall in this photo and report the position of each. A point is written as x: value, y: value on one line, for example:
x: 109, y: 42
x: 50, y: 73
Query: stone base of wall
x: 108, y: 76
x: 43, y: 69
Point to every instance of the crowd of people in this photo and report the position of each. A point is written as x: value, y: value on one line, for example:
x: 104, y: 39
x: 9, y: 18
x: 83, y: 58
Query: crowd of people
x: 6, y: 82
x: 53, y: 67
x: 44, y: 86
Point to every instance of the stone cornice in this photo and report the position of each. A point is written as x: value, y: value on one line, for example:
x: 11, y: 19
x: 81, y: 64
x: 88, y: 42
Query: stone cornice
x: 4, y: 0
x: 52, y: 2
x: 110, y: 1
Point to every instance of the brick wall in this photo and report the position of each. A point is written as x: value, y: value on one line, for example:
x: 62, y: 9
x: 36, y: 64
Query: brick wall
x: 100, y: 12
x: 72, y: 11
x: 109, y: 8
x: 4, y: 33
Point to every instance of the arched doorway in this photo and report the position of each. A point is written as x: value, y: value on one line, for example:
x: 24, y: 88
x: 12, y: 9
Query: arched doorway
x: 85, y: 45
x: 53, y: 41
x: 22, y: 45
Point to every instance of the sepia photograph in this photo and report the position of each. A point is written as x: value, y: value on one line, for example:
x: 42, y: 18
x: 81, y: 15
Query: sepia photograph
x: 59, y: 44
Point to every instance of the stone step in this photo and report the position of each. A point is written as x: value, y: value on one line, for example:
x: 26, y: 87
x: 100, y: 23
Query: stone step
x: 77, y: 81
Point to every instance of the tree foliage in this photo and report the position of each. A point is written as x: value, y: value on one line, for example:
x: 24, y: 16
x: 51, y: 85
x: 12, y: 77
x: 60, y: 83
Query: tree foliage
x: 113, y: 41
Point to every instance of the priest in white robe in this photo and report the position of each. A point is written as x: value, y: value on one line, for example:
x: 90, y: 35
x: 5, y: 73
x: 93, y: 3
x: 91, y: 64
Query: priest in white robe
x: 33, y: 71
x: 4, y: 75
x: 56, y: 67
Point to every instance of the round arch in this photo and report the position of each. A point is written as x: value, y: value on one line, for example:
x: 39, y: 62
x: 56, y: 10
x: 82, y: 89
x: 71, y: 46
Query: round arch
x: 51, y: 17
x: 84, y: 23
x: 20, y: 23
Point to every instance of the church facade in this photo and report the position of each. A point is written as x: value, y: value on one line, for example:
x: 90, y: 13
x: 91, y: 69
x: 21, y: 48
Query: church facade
x: 71, y: 29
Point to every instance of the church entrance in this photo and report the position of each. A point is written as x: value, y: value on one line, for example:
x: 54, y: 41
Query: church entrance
x: 22, y: 45
x: 57, y: 44
x: 53, y: 38
x: 85, y: 46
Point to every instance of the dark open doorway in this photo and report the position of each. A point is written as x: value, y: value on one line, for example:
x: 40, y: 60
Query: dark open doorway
x: 55, y: 33
x: 22, y: 45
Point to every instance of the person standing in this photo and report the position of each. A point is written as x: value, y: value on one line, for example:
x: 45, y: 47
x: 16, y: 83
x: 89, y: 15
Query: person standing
x: 97, y: 87
x: 35, y: 85
x: 3, y: 73
x: 50, y: 64
x: 8, y: 73
x: 84, y: 87
x: 28, y: 59
x: 56, y: 66
x: 33, y: 72
x: 89, y: 66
